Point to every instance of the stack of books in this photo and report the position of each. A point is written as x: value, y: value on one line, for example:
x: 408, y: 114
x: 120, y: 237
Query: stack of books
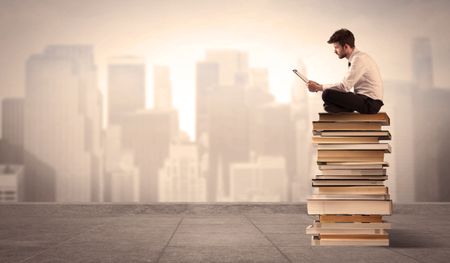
x: 349, y: 197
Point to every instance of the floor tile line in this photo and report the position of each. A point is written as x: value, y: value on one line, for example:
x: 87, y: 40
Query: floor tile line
x: 170, y: 239
x: 62, y: 242
x: 397, y: 252
x: 265, y: 236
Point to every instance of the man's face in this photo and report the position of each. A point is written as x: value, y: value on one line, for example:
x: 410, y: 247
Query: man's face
x: 339, y: 50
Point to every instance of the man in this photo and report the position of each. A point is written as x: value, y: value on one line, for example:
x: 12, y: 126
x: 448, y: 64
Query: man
x: 363, y: 76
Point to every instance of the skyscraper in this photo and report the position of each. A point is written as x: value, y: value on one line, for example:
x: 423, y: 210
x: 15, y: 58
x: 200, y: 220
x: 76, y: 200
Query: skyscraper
x: 126, y: 87
x: 62, y: 126
x: 162, y: 88
x: 12, y: 131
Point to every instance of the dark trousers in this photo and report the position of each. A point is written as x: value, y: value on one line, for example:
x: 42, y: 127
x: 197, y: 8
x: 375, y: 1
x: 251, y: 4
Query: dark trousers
x: 337, y: 101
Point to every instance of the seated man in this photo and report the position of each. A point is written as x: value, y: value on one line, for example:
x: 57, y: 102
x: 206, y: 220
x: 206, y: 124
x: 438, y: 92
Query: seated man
x: 363, y: 76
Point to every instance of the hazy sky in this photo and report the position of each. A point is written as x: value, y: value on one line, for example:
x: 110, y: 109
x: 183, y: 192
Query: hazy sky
x: 275, y: 33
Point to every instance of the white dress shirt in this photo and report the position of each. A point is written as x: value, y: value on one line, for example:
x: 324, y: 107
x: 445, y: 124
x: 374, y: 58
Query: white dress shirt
x: 362, y: 75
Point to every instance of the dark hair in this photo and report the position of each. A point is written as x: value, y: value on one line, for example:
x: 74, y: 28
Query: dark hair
x: 343, y: 36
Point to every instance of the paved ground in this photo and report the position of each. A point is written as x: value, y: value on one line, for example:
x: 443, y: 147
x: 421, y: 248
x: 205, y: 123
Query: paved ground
x: 205, y: 233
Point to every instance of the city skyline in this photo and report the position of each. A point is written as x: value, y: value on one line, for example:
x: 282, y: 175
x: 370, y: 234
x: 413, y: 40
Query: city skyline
x: 177, y: 33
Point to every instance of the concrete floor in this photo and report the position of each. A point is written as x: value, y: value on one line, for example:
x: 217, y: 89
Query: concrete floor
x: 205, y: 233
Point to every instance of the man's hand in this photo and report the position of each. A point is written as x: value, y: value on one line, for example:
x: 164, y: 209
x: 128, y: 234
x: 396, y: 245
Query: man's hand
x: 314, y: 86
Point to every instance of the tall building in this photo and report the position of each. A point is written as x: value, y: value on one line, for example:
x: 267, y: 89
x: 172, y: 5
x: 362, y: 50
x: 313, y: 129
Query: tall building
x: 272, y: 133
x: 263, y: 179
x: 126, y: 87
x: 11, y: 183
x: 11, y: 151
x: 121, y: 172
x: 62, y: 126
x: 182, y: 177
x: 207, y: 79
x: 162, y: 88
x: 147, y: 135
x: 233, y: 66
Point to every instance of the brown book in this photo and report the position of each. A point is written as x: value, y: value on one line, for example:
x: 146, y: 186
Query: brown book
x: 350, y: 218
x: 351, y: 190
x: 380, y: 117
x: 383, y: 235
x: 346, y: 126
x: 352, y: 225
x: 344, y: 140
x: 349, y: 197
x: 350, y: 207
x: 350, y: 156
x: 320, y: 241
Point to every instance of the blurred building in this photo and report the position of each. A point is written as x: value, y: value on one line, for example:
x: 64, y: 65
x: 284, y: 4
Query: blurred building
x: 263, y: 179
x: 62, y: 126
x: 183, y: 176
x: 11, y: 144
x: 126, y: 87
x: 121, y: 173
x: 162, y: 88
x: 11, y: 183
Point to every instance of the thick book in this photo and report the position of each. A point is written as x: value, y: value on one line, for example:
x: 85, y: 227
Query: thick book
x: 380, y: 117
x: 346, y: 126
x: 350, y: 207
x: 345, y: 241
x: 316, y: 230
x: 356, y: 146
x: 351, y: 190
x: 343, y: 140
x: 350, y: 156
x: 352, y: 225
x: 351, y: 219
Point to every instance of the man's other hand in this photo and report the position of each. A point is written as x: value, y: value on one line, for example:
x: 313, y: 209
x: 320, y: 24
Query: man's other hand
x: 314, y: 86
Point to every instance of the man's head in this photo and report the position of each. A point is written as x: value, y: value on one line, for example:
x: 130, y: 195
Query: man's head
x: 343, y: 42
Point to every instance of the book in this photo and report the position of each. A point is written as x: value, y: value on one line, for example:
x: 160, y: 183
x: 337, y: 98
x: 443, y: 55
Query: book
x: 350, y: 156
x: 353, y: 172
x: 352, y: 165
x: 336, y: 126
x: 343, y: 140
x: 317, y: 230
x: 316, y: 182
x: 381, y: 135
x: 363, y: 207
x: 350, y: 219
x: 343, y: 177
x: 351, y: 190
x: 356, y: 146
x: 352, y: 225
x: 350, y: 197
x: 342, y: 241
x: 380, y: 117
